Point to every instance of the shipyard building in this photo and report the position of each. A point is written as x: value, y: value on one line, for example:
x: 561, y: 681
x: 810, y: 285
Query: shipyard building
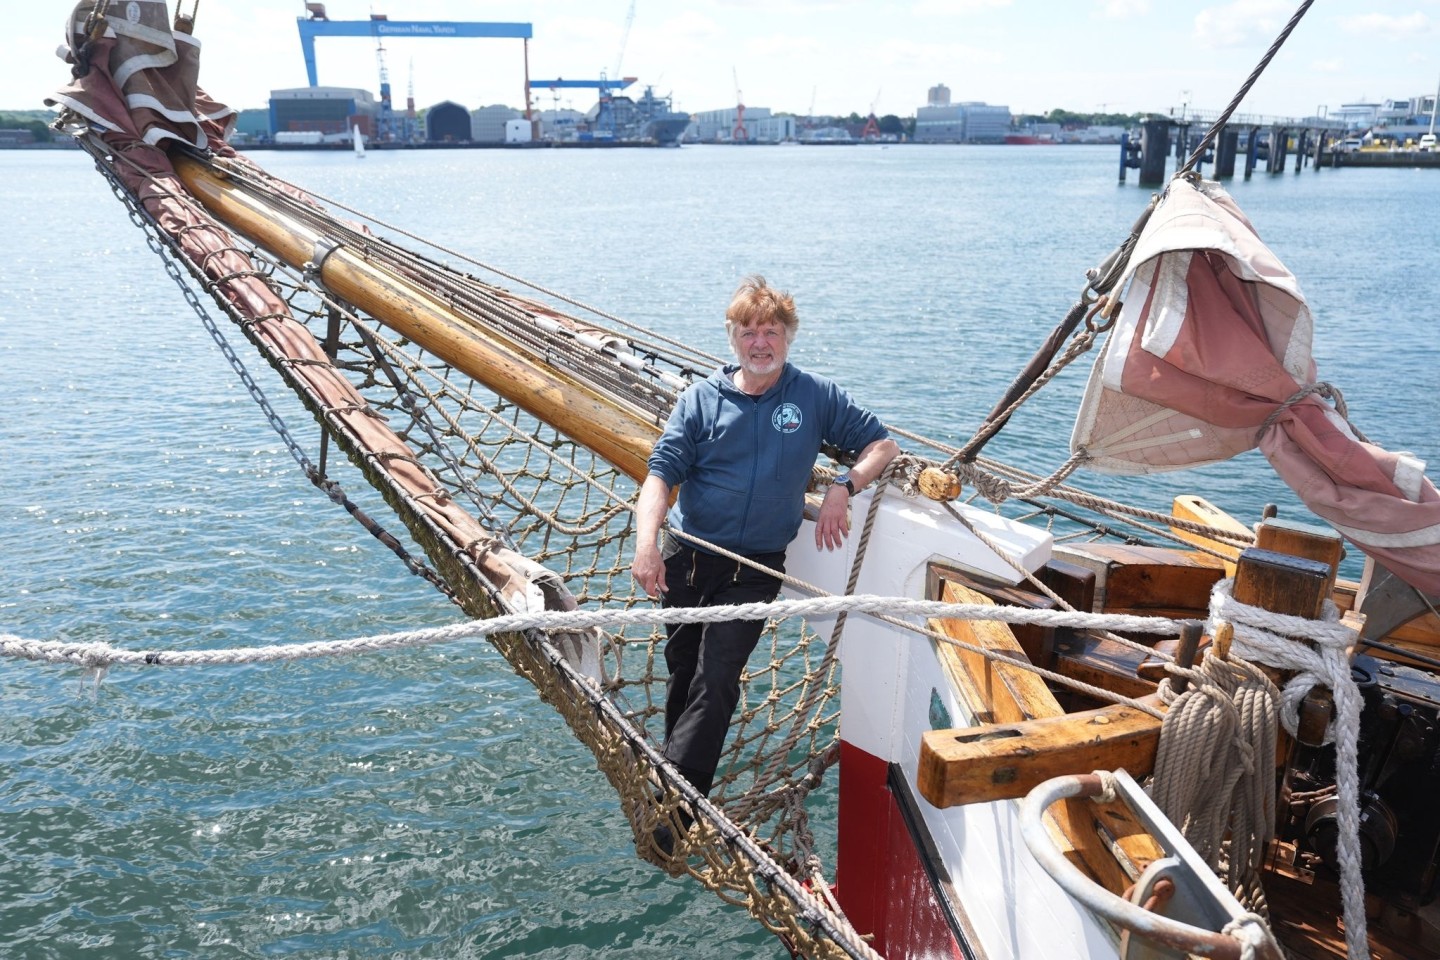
x: 941, y: 121
x: 332, y: 112
x: 761, y: 126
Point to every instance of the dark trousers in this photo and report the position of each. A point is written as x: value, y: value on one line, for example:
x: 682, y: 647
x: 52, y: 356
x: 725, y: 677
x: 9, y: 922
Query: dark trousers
x: 705, y: 660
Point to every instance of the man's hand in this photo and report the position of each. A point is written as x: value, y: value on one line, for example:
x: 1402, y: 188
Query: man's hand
x: 833, y: 524
x: 649, y: 570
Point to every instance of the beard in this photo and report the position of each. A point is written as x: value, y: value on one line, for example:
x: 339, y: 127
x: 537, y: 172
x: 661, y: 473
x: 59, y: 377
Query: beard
x: 758, y: 367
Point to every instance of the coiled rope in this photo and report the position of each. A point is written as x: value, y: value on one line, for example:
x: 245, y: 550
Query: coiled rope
x: 1272, y: 639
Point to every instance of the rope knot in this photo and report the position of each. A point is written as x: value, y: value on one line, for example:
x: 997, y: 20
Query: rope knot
x: 1107, y: 787
x: 1251, y: 931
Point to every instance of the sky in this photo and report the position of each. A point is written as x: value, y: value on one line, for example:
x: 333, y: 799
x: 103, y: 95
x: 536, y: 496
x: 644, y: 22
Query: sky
x: 820, y: 56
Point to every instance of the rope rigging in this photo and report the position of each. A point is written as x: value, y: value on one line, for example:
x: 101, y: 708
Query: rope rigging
x: 576, y: 629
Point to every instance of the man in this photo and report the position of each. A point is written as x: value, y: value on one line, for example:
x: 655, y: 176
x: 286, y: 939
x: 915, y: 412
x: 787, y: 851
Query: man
x: 741, y: 445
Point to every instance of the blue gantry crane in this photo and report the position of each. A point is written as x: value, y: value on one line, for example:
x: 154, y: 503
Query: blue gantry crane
x: 379, y: 27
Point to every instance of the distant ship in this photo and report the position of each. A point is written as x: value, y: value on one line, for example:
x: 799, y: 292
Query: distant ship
x: 1029, y: 138
x: 648, y: 118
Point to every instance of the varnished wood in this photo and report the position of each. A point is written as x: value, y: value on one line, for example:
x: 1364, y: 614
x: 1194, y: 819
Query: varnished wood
x: 1103, y: 663
x: 1036, y: 641
x: 938, y: 485
x: 1305, y: 910
x: 1199, y: 510
x: 1155, y: 580
x: 1281, y: 583
x: 1007, y: 693
x: 1007, y: 761
x: 619, y: 435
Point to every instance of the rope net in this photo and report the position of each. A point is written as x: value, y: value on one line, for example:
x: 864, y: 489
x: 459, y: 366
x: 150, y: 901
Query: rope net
x: 545, y: 522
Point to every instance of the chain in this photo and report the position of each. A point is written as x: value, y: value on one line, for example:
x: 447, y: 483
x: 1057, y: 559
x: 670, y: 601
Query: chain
x: 163, y: 247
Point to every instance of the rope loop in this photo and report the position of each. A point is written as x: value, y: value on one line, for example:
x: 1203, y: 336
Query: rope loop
x: 1320, y: 388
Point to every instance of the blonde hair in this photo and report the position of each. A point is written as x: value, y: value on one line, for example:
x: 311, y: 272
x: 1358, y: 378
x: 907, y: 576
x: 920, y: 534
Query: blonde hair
x: 757, y: 302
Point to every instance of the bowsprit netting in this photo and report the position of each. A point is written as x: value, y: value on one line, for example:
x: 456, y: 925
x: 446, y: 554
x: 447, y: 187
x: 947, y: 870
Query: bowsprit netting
x: 552, y: 524
x: 441, y: 389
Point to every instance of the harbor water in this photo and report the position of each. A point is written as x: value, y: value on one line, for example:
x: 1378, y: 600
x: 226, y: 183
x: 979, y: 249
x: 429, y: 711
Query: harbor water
x: 424, y: 804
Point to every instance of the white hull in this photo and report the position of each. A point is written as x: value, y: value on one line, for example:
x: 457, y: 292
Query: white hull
x: 982, y: 874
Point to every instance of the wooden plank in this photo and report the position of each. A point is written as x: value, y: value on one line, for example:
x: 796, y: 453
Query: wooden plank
x: 1036, y: 641
x: 1199, y: 510
x: 1421, y: 634
x: 1089, y: 835
x: 1305, y: 917
x: 1103, y: 663
x: 1007, y: 693
x: 1007, y: 761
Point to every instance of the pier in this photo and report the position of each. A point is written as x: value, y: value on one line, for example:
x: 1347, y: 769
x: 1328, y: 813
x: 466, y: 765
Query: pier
x: 1261, y: 141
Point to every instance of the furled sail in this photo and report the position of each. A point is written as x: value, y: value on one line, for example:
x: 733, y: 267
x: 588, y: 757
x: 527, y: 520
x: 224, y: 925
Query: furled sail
x: 1210, y: 356
x: 152, y: 94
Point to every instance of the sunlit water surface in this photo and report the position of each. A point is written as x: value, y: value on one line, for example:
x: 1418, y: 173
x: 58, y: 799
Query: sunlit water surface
x: 424, y: 804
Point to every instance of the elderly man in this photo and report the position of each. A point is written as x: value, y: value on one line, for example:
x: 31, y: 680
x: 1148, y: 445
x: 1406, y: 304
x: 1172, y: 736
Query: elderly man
x: 741, y: 445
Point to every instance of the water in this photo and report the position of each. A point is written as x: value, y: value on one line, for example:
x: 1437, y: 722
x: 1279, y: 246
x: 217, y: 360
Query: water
x: 423, y: 804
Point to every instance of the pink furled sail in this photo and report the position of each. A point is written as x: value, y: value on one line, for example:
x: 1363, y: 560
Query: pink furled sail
x: 145, y: 83
x: 1211, y: 356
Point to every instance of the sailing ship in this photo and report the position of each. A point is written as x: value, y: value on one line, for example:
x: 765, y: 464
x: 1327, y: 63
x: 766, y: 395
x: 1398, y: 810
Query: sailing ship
x: 989, y: 695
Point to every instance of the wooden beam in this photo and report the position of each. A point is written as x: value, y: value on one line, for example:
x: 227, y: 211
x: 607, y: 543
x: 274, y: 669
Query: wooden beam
x: 1282, y: 583
x: 1007, y: 761
x: 1160, y: 581
x: 1302, y: 540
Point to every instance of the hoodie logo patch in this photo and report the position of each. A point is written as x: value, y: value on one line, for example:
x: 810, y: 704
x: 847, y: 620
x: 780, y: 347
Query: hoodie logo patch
x: 787, y: 418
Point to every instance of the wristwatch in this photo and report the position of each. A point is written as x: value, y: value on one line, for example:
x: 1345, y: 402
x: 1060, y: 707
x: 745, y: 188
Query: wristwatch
x: 843, y: 480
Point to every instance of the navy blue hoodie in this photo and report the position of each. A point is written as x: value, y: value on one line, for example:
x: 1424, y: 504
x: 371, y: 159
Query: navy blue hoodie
x: 742, y: 463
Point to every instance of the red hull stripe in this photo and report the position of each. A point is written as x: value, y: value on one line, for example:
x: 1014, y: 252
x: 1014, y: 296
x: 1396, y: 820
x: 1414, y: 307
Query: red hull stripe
x: 882, y: 883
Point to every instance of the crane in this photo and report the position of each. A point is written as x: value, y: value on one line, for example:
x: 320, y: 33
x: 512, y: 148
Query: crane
x: 872, y: 127
x: 386, y: 108
x: 409, y: 132
x: 739, y: 132
x: 624, y: 38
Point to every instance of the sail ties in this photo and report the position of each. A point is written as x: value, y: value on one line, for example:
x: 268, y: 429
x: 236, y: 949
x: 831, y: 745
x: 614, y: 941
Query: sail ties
x: 1319, y: 388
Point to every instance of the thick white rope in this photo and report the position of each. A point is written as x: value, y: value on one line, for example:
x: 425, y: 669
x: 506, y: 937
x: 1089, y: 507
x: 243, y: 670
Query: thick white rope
x: 100, y: 655
x: 1268, y: 638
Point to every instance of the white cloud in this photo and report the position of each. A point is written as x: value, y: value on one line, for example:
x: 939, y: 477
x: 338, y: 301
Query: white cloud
x: 951, y: 8
x: 1386, y: 25
x: 1241, y: 24
x: 1122, y: 9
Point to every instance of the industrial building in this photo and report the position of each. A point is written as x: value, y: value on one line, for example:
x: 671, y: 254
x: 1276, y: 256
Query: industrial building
x: 332, y: 112
x: 487, y: 124
x: 941, y: 121
x: 448, y: 122
x: 760, y: 126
